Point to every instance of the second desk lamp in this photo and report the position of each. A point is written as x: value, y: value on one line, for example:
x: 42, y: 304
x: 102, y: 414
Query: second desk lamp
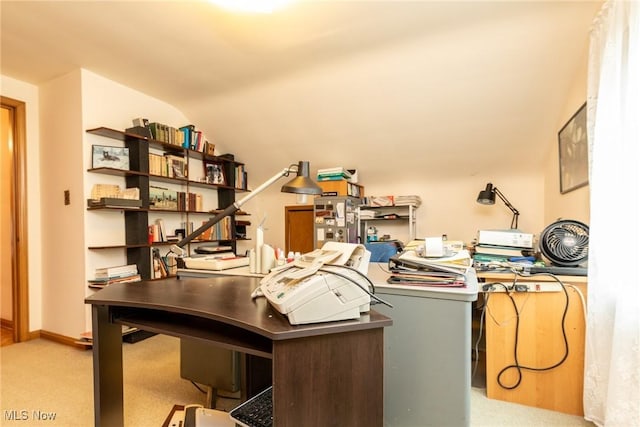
x: 488, y: 197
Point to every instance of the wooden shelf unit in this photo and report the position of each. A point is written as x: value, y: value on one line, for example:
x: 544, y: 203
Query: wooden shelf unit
x: 137, y: 246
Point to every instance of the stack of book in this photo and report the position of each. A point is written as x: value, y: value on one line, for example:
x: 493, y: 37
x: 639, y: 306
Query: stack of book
x: 120, y: 274
x: 484, y: 254
x: 501, y: 246
x: 333, y: 174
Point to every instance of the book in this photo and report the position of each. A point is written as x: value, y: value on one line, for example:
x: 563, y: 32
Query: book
x: 113, y: 202
x: 117, y: 271
x: 212, y: 249
x: 101, y: 283
x: 505, y: 251
x: 160, y: 269
x: 334, y: 171
x: 509, y: 238
x: 161, y: 229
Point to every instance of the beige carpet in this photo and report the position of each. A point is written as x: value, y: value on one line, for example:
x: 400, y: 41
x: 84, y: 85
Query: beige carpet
x: 50, y: 378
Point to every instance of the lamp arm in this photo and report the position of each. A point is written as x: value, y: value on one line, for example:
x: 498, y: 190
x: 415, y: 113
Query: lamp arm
x: 514, y: 220
x: 229, y: 210
x: 284, y: 172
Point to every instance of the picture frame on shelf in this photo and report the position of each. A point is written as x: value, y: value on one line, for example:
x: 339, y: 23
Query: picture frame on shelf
x: 107, y: 156
x: 573, y: 152
x: 161, y: 198
x: 214, y: 173
x: 209, y: 148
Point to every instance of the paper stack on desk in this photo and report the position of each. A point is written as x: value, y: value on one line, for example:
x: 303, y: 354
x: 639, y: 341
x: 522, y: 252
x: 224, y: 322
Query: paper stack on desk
x: 216, y: 262
x: 410, y: 269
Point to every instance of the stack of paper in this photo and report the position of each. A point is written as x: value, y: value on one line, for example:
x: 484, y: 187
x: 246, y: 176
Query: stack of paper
x: 408, y: 200
x: 367, y: 214
x: 411, y: 270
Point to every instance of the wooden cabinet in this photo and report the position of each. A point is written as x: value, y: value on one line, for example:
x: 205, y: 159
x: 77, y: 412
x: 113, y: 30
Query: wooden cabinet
x: 136, y: 221
x: 540, y: 342
x: 298, y: 228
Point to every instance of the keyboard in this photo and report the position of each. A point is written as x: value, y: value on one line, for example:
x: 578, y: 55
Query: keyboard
x: 255, y: 412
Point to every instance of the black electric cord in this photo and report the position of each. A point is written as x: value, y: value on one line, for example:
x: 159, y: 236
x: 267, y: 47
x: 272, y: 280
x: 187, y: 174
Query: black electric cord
x: 200, y: 389
x: 483, y: 311
x: 352, y: 280
x: 476, y: 346
x: 516, y: 365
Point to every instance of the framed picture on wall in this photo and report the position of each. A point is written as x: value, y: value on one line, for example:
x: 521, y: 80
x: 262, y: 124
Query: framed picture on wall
x: 214, y: 172
x: 573, y: 151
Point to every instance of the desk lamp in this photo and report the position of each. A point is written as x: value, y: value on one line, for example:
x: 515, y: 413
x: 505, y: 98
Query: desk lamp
x: 301, y: 184
x: 488, y: 197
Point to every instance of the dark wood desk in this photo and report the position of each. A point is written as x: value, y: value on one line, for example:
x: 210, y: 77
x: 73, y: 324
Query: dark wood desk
x: 325, y: 374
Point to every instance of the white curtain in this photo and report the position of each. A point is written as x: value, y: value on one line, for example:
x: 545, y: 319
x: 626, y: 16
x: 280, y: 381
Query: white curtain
x: 612, y: 353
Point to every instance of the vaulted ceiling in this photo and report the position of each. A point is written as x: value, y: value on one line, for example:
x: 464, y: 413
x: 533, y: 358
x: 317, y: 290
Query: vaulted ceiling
x: 445, y: 86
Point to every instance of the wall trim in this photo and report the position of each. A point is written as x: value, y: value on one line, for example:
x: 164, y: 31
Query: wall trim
x: 61, y: 339
x: 20, y: 269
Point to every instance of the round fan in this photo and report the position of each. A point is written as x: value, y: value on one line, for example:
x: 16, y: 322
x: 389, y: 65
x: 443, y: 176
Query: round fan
x: 565, y: 243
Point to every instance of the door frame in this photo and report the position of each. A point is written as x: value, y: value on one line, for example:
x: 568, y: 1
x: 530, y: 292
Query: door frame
x: 19, y: 241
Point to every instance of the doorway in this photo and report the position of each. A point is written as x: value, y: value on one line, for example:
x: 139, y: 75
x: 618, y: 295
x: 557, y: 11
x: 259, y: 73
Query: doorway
x: 14, y: 250
x: 298, y: 228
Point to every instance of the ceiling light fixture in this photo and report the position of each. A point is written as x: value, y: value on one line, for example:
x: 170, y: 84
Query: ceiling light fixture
x: 252, y: 6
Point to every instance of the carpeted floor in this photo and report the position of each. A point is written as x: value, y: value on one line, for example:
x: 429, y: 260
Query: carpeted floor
x: 43, y: 377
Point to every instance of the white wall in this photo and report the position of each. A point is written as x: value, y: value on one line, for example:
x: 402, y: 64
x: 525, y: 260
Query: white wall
x: 305, y: 102
x: 71, y: 104
x: 575, y: 204
x: 28, y: 94
x: 110, y: 104
x: 62, y: 231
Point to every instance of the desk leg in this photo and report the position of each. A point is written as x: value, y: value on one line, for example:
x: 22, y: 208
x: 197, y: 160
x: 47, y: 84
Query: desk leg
x: 107, y: 369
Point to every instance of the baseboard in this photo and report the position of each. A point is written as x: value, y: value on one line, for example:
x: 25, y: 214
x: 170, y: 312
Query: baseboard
x: 61, y: 339
x: 6, y: 323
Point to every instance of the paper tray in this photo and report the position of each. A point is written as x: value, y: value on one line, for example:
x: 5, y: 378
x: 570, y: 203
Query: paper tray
x: 211, y: 263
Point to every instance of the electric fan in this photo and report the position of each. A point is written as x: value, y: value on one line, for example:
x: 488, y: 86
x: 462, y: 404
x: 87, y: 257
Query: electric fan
x: 565, y: 243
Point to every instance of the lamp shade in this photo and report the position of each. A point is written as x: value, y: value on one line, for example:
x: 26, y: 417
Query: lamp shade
x: 302, y: 184
x: 487, y: 196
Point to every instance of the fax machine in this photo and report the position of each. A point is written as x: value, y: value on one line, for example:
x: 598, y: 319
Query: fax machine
x: 323, y: 285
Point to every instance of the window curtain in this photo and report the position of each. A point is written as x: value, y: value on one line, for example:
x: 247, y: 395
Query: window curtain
x: 612, y: 350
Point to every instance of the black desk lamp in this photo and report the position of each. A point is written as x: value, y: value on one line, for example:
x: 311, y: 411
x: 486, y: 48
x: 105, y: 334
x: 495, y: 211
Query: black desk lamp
x: 301, y: 184
x: 488, y: 197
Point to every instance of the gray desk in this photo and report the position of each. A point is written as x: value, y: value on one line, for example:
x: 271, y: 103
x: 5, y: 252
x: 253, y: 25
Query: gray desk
x: 326, y: 374
x: 427, y: 369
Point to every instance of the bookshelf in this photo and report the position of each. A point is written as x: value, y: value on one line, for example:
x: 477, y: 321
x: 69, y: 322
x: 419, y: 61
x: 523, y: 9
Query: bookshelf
x: 382, y: 214
x: 186, y: 183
